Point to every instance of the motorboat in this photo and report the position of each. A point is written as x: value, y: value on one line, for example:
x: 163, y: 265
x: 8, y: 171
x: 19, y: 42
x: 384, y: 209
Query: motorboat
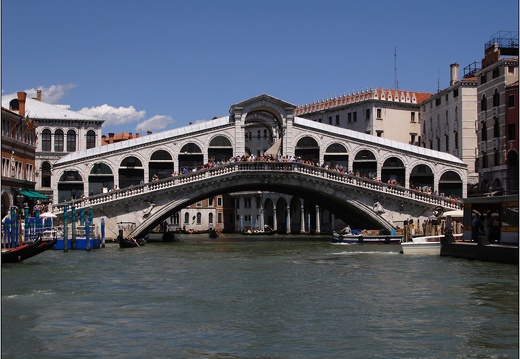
x: 425, y: 245
x: 341, y: 238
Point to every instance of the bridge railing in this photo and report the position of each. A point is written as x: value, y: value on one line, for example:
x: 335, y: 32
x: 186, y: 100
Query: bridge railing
x: 241, y: 166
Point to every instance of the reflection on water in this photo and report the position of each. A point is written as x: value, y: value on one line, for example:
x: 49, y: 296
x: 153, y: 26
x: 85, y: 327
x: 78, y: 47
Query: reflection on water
x: 263, y: 299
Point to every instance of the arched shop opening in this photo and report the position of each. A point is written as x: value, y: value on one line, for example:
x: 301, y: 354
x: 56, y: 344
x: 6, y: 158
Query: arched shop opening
x: 70, y: 186
x: 161, y: 164
x: 307, y: 148
x: 393, y: 171
x: 450, y: 184
x: 101, y: 179
x: 365, y: 164
x: 421, y: 178
x: 220, y: 149
x: 131, y: 172
x: 190, y: 157
x: 336, y: 155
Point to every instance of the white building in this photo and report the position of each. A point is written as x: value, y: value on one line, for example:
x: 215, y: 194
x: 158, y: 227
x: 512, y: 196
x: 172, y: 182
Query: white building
x: 448, y: 121
x: 59, y: 131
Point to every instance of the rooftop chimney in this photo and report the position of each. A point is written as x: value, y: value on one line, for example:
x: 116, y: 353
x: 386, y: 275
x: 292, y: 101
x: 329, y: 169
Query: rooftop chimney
x: 21, y: 103
x: 111, y: 138
x: 38, y: 95
x: 148, y: 133
x: 454, y: 74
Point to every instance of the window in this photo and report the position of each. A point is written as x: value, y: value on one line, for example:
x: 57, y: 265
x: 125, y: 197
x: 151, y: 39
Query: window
x: 447, y: 143
x: 497, y: 157
x: 496, y: 72
x: 484, y: 132
x: 412, y: 138
x: 210, y: 202
x: 367, y: 114
x: 354, y: 116
x: 511, y: 101
x: 378, y: 113
x: 456, y: 134
x: 330, y: 120
x: 186, y: 218
x: 456, y: 93
x: 199, y: 218
x: 71, y: 141
x: 349, y: 117
x: 210, y: 218
x: 91, y: 139
x: 199, y: 204
x: 511, y: 132
x: 265, y: 133
x: 446, y: 97
x: 447, y: 118
x: 337, y: 120
x: 412, y: 114
x: 496, y: 128
x: 258, y: 134
x: 219, y: 217
x: 496, y: 98
x: 483, y: 103
x: 58, y: 141
x: 438, y: 101
x: 483, y: 79
x: 46, y: 174
x: 219, y: 201
x: 379, y: 133
x: 46, y: 140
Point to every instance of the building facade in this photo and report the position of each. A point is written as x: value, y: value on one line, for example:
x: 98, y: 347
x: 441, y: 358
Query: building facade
x: 497, y: 158
x: 59, y: 131
x: 448, y: 121
x: 392, y: 114
x: 18, y: 159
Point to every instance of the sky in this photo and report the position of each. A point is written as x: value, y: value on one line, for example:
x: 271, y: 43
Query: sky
x: 156, y: 65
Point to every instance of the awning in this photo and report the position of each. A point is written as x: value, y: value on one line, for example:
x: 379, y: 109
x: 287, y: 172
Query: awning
x: 34, y: 195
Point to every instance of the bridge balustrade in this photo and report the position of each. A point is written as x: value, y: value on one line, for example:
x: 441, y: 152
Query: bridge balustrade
x: 242, y: 166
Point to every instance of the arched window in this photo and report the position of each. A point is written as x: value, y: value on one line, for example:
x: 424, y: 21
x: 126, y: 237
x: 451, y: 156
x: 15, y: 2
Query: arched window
x: 58, y: 141
x: 71, y: 141
x: 483, y: 103
x: 447, y: 118
x: 186, y: 218
x: 46, y: 174
x: 46, y: 140
x: 199, y: 218
x: 210, y: 218
x: 496, y: 99
x: 91, y: 139
x: 484, y: 132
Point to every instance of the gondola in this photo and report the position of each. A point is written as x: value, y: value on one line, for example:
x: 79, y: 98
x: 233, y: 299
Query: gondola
x: 131, y: 242
x: 28, y: 250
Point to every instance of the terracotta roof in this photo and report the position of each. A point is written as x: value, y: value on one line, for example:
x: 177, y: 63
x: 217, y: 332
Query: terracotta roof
x: 383, y: 94
x: 123, y: 136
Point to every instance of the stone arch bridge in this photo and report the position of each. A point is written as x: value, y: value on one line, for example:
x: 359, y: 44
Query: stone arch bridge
x: 324, y: 164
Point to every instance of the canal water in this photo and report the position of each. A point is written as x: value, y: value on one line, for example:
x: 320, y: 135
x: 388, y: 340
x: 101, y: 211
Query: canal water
x: 285, y: 299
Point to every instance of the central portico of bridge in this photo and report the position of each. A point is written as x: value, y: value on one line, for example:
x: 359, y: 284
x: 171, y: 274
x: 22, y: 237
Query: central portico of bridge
x: 173, y: 155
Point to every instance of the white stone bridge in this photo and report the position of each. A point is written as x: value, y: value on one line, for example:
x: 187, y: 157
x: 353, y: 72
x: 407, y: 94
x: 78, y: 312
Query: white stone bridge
x: 362, y: 193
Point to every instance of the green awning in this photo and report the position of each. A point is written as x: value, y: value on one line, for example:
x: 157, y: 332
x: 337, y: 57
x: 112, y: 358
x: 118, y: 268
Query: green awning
x: 33, y: 195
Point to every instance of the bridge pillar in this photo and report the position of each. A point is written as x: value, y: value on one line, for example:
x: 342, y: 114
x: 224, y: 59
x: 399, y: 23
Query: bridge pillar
x: 318, y: 222
x: 302, y: 218
x: 275, y: 221
x: 288, y: 220
x: 262, y: 220
x: 240, y: 142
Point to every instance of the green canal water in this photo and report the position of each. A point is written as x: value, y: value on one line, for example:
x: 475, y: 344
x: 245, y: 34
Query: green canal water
x: 261, y: 299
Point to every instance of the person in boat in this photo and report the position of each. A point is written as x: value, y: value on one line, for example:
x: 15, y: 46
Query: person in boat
x: 120, y: 227
x: 346, y: 230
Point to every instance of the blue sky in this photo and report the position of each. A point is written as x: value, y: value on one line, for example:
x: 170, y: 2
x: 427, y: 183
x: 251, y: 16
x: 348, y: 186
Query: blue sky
x: 156, y: 65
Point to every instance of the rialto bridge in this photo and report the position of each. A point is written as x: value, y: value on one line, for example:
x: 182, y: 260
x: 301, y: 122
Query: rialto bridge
x: 363, y: 179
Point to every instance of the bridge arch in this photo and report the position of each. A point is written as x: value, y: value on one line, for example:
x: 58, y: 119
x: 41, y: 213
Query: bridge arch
x: 161, y: 163
x: 101, y: 176
x: 451, y: 184
x: 131, y: 171
x: 307, y: 147
x: 190, y: 155
x: 220, y: 147
x: 393, y: 169
x: 421, y: 176
x: 365, y: 162
x: 336, y: 154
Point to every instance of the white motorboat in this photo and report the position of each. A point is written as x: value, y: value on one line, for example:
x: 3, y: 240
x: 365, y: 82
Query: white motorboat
x: 425, y: 245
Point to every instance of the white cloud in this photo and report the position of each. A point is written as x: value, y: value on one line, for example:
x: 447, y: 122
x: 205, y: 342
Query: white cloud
x: 52, y: 94
x: 114, y: 116
x: 155, y: 123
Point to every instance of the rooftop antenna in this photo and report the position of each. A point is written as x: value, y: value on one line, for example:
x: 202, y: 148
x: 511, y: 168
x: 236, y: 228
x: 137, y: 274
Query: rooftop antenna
x: 438, y: 80
x: 396, y: 86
